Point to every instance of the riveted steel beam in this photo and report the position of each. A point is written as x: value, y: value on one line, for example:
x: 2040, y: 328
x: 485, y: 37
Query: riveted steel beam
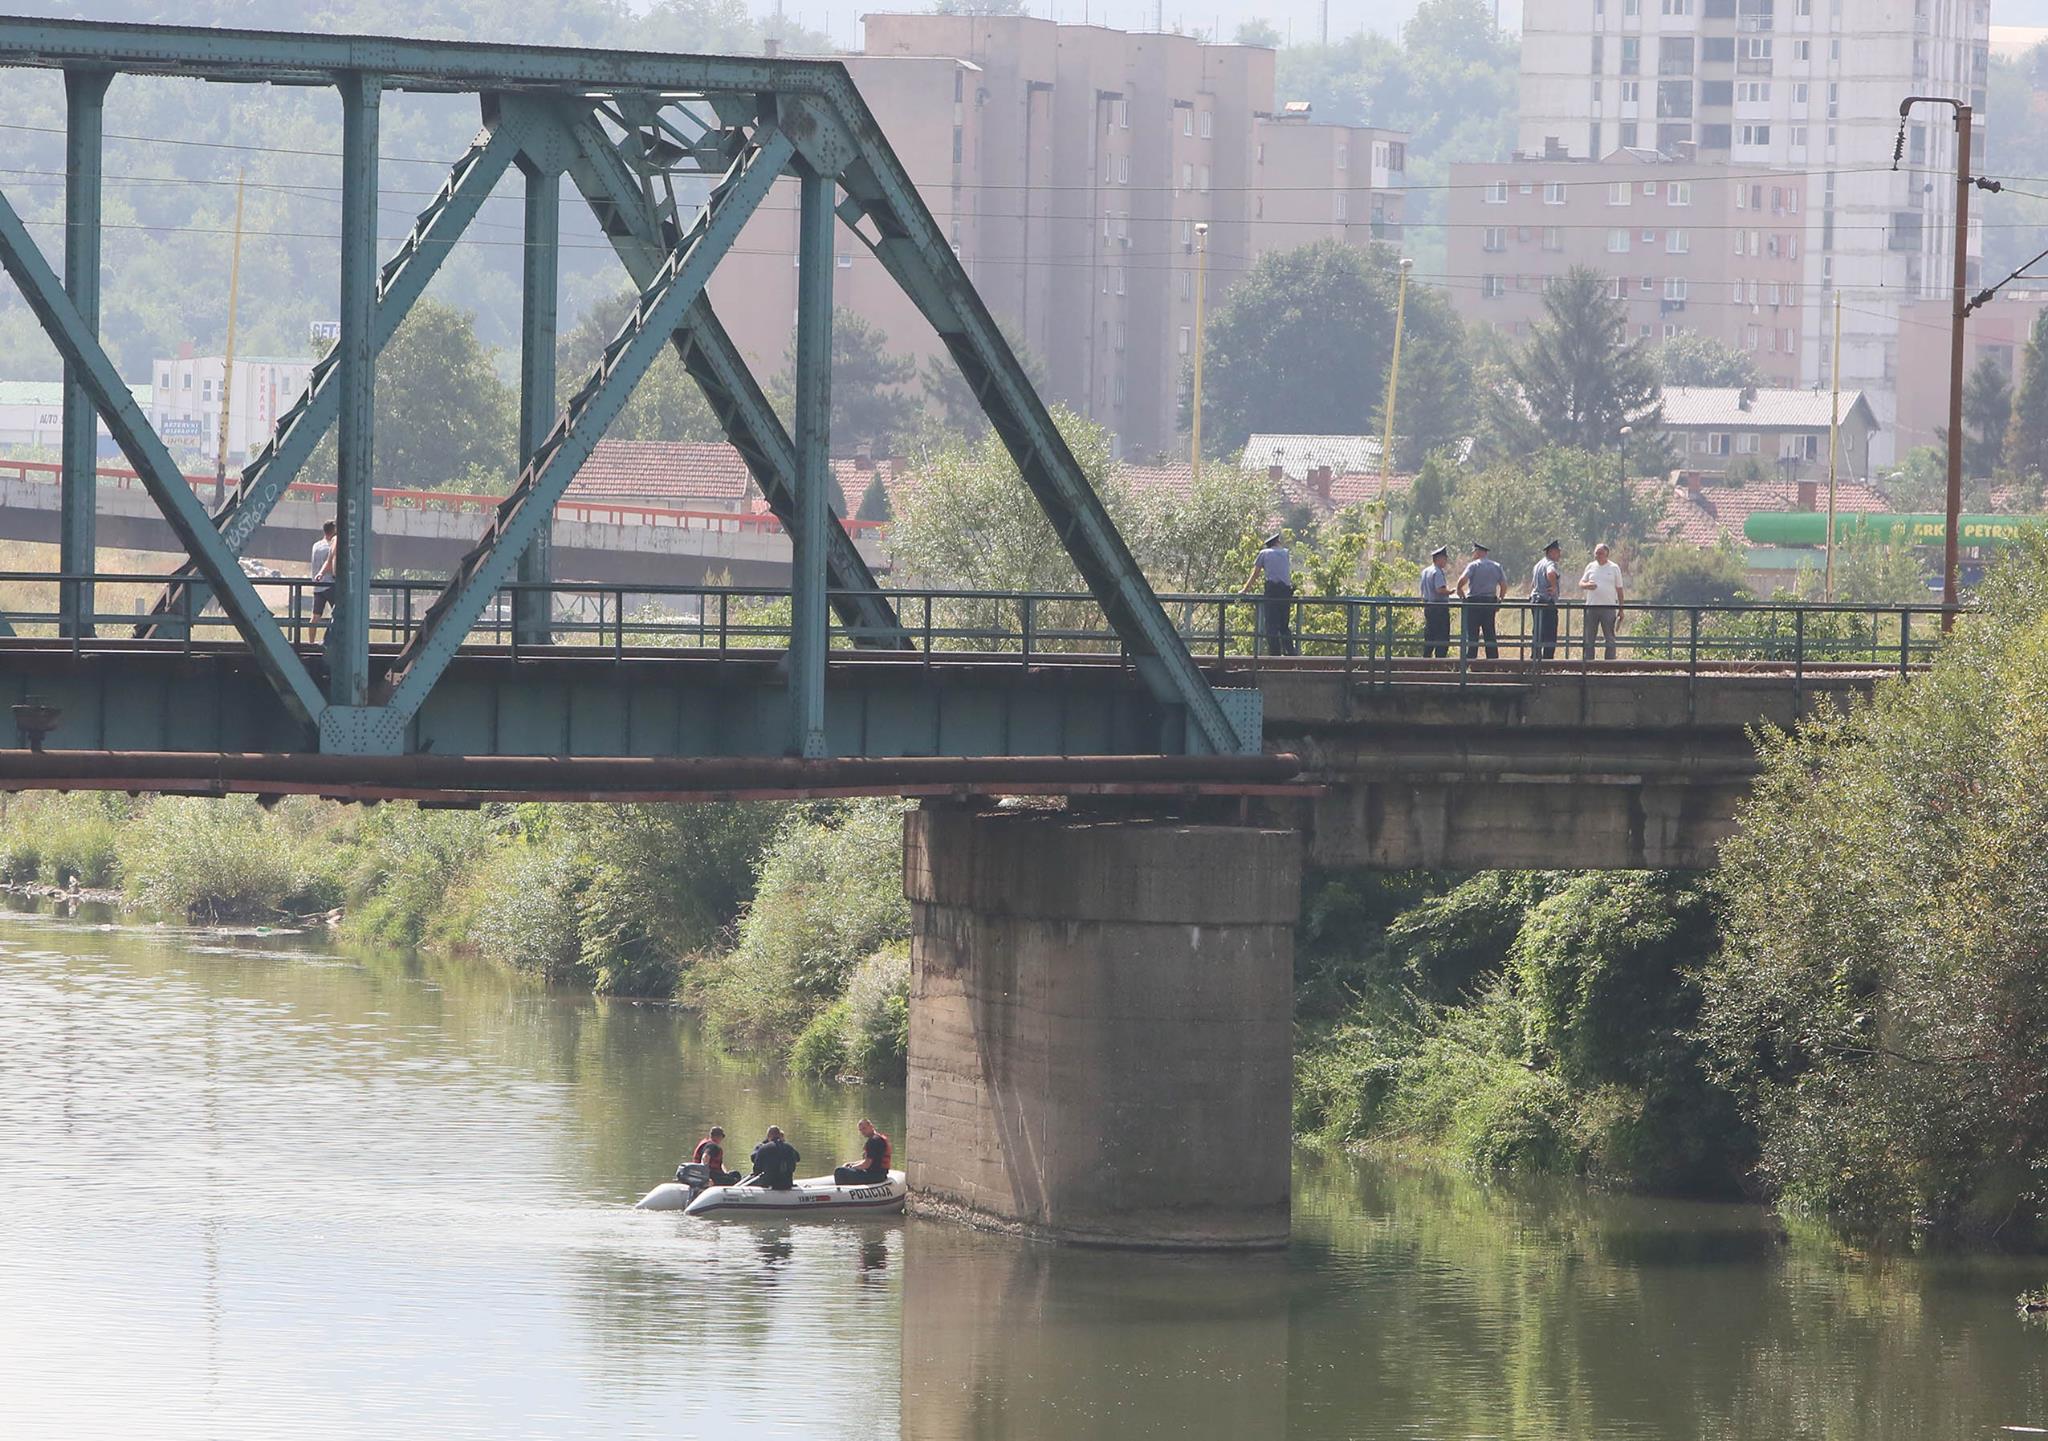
x: 87, y: 359
x: 808, y: 636
x: 663, y: 304
x: 917, y: 255
x: 532, y: 610
x: 270, y: 472
x: 355, y: 379
x: 85, y: 94
x: 634, y: 226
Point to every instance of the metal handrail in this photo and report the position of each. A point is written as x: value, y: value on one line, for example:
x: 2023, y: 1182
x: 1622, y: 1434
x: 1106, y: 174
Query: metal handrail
x: 1376, y: 638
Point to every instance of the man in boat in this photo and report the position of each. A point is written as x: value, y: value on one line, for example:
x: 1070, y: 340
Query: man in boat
x: 873, y: 1167
x: 775, y: 1162
x: 710, y: 1153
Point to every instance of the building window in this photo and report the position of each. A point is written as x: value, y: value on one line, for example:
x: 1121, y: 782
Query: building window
x: 1631, y: 55
x: 843, y: 260
x: 1554, y: 192
x: 1186, y: 340
x: 1343, y: 206
x: 1649, y: 237
x: 1208, y: 123
x: 1617, y: 242
x: 1120, y: 114
x: 1187, y: 285
x: 1203, y: 179
x: 1618, y: 193
x: 1122, y: 334
x: 1187, y: 121
x: 1649, y: 285
x: 1753, y: 135
x: 188, y: 380
x: 1717, y: 443
x: 1631, y: 91
x: 1343, y: 157
x: 1799, y: 137
x: 1755, y: 47
x: 1491, y: 287
x: 1187, y: 175
x: 1677, y: 242
x: 1123, y: 170
x: 1187, y: 232
x: 1677, y: 7
x: 1747, y: 444
x: 1496, y: 192
x: 1119, y: 280
x: 1674, y: 287
x: 1617, y: 287
x: 1553, y: 238
x: 1751, y: 92
x: 1678, y: 192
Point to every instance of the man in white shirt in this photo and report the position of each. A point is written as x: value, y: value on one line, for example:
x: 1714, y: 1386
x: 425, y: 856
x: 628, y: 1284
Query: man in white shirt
x: 1274, y: 564
x: 1603, y: 595
x: 323, y: 570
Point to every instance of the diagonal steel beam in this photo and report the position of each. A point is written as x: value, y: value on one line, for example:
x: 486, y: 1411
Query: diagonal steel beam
x: 635, y: 228
x: 86, y: 361
x: 915, y: 251
x: 662, y: 306
x: 271, y: 471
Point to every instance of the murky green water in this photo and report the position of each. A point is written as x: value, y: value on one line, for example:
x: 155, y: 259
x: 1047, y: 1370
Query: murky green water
x: 250, y: 1188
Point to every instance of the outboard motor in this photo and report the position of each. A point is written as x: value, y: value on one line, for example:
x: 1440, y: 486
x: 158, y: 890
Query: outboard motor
x: 694, y: 1174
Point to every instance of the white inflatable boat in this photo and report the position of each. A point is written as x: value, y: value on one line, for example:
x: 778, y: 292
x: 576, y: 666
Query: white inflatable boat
x: 691, y: 1194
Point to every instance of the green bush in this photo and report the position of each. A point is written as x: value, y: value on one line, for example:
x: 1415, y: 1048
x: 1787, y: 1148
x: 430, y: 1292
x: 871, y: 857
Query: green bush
x: 411, y: 866
x: 526, y: 907
x: 819, y: 1052
x: 229, y: 859
x: 876, y: 1023
x: 78, y: 839
x: 829, y: 894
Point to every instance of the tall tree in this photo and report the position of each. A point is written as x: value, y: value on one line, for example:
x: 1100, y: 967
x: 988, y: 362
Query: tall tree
x: 1690, y: 358
x: 870, y: 405
x: 665, y: 405
x: 2026, y: 436
x: 1580, y: 379
x: 444, y: 418
x: 1987, y: 414
x: 1303, y: 342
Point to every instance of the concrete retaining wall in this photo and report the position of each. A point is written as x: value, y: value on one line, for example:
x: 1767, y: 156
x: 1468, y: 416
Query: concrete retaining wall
x: 1101, y: 1025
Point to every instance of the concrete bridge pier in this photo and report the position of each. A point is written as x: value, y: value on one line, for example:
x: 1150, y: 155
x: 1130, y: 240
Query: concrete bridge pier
x: 1101, y: 1046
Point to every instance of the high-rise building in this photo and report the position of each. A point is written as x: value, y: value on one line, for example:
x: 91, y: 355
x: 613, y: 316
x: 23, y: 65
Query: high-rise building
x: 1805, y: 85
x: 1724, y: 258
x: 1070, y: 165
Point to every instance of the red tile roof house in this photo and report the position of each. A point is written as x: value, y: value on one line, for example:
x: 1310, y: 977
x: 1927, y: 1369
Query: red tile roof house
x: 1704, y: 515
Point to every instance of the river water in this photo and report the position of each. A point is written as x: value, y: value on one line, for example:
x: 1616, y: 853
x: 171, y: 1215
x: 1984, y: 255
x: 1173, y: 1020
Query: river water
x: 250, y: 1186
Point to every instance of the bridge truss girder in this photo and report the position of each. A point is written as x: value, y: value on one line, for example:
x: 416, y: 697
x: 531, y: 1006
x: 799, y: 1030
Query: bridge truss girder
x: 622, y: 127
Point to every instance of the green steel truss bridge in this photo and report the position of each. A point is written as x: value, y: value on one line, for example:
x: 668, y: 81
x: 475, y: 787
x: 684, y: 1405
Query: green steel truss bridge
x: 622, y: 129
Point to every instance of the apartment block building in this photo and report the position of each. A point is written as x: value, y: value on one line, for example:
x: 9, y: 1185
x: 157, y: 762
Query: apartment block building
x: 1717, y: 250
x: 1325, y: 182
x: 1809, y: 85
x: 1071, y: 165
x: 185, y: 401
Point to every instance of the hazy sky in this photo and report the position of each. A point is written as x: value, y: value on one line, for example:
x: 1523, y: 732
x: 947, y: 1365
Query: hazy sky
x: 1300, y: 18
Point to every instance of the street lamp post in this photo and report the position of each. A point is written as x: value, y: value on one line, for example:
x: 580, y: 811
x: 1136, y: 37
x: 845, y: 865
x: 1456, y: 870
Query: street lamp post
x: 1201, y: 276
x: 1394, y: 376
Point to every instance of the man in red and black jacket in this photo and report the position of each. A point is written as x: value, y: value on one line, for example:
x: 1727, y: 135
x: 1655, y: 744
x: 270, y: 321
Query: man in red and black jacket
x: 873, y: 1166
x: 710, y: 1153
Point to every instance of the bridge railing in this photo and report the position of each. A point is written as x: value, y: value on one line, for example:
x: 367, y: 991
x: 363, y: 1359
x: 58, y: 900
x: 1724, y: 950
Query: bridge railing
x: 1376, y: 638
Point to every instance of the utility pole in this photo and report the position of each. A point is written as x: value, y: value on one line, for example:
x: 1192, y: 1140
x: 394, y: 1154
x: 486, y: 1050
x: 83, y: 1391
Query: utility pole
x: 227, y: 365
x: 1834, y: 434
x: 1959, y: 308
x: 1201, y: 276
x: 1394, y: 377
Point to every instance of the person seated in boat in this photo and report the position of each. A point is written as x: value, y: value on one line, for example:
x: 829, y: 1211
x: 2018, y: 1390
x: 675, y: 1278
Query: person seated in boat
x: 872, y: 1168
x: 775, y: 1162
x: 710, y: 1154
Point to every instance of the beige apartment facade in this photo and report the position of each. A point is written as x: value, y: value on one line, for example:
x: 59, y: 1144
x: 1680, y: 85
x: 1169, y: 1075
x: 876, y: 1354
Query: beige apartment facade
x: 1714, y: 251
x: 1074, y: 167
